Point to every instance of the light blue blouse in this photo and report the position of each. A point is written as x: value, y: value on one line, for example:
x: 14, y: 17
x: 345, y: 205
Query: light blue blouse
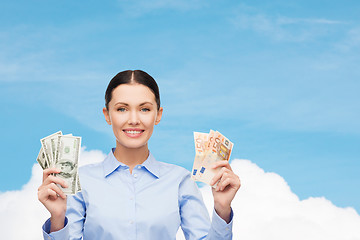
x: 151, y: 203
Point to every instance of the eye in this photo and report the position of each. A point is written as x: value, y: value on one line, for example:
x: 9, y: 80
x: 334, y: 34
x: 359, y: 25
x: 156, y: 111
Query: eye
x: 145, y: 109
x: 121, y: 109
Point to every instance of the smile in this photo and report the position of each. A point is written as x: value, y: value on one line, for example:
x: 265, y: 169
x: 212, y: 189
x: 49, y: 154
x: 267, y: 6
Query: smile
x: 133, y: 133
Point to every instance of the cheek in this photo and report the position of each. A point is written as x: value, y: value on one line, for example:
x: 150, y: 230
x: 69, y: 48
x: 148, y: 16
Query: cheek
x: 149, y: 121
x: 118, y: 120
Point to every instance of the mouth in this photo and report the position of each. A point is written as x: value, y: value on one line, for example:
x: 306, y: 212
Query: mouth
x: 133, y: 133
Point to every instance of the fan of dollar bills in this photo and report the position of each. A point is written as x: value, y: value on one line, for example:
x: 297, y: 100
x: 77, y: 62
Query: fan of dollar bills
x: 210, y: 148
x: 62, y: 152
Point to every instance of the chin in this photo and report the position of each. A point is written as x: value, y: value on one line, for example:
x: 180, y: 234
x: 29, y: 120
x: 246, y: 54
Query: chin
x: 131, y: 145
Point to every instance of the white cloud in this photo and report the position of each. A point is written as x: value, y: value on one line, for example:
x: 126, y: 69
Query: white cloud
x: 22, y: 215
x: 92, y: 156
x: 265, y: 208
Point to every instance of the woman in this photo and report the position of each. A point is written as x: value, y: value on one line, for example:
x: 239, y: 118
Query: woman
x: 130, y: 195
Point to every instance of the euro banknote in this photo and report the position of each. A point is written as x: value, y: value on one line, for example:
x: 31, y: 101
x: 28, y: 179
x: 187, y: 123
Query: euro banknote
x: 200, y: 140
x: 215, y: 148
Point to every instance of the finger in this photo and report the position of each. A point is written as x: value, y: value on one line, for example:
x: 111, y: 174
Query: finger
x: 224, y: 176
x: 54, y: 179
x: 51, y: 194
x: 55, y: 188
x: 47, y: 172
x: 218, y: 176
x: 45, y: 194
x: 229, y: 180
x: 223, y: 163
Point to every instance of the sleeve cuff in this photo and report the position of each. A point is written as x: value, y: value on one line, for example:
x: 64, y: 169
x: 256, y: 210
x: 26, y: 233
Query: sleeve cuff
x: 220, y: 227
x: 61, y: 234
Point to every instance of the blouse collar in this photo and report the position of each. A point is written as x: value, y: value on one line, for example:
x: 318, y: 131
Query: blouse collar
x: 110, y: 164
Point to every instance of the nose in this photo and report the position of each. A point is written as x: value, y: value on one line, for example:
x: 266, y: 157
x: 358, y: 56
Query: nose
x: 133, y: 118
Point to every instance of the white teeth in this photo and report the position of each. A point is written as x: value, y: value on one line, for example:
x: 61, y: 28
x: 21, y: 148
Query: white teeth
x: 133, y: 132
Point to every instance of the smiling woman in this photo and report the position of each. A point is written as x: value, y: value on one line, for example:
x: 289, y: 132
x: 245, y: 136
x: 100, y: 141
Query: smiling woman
x: 130, y: 195
x: 132, y: 110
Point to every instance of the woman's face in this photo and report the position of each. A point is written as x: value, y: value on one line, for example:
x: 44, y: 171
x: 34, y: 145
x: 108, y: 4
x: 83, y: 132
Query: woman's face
x: 132, y: 113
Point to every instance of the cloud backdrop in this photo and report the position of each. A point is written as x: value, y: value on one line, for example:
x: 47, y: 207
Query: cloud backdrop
x: 279, y: 78
x: 265, y: 208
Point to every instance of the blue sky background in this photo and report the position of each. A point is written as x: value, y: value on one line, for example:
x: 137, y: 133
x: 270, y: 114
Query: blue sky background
x: 279, y: 78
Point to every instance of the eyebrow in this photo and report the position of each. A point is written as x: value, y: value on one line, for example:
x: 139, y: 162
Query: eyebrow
x: 126, y: 104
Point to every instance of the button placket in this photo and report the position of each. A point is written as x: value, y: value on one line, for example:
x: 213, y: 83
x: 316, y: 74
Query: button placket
x: 132, y: 207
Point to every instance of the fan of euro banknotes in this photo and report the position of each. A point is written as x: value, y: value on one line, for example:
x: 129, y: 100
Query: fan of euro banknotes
x: 62, y: 152
x: 209, y: 148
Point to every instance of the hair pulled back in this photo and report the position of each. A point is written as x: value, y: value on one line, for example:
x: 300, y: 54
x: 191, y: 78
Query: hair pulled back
x: 132, y: 77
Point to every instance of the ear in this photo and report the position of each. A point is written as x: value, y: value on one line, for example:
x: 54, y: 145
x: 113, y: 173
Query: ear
x: 107, y: 116
x: 158, y: 116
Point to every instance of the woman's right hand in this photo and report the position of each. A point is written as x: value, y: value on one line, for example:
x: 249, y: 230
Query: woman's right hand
x: 53, y: 198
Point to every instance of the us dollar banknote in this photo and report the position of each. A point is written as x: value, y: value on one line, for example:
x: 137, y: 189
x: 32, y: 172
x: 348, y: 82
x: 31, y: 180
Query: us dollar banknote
x: 67, y: 160
x: 41, y: 158
x: 62, y: 152
x: 47, y: 145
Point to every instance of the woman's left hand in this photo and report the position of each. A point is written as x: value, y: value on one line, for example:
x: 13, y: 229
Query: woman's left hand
x: 224, y: 193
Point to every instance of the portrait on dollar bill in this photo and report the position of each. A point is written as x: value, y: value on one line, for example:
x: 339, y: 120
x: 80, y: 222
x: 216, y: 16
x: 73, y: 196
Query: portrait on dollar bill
x: 67, y: 167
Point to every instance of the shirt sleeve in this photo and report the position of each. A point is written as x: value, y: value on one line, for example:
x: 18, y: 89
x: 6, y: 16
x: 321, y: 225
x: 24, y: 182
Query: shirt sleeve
x: 195, y: 220
x: 61, y: 234
x: 219, y: 228
x: 74, y: 221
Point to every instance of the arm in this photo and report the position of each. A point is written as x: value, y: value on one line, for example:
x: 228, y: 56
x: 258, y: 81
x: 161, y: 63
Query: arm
x: 228, y: 183
x: 73, y: 223
x: 67, y: 212
x: 54, y: 200
x: 195, y: 221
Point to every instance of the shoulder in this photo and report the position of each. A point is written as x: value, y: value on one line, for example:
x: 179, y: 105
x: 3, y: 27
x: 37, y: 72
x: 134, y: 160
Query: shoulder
x: 93, y: 169
x: 180, y: 178
x: 173, y: 169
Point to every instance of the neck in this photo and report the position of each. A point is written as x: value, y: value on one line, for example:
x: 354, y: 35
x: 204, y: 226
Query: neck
x: 131, y: 156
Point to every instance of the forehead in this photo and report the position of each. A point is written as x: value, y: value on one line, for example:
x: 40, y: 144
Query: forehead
x: 132, y: 93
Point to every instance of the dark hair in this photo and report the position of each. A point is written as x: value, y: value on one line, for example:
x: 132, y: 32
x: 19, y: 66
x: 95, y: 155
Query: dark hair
x: 131, y: 77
